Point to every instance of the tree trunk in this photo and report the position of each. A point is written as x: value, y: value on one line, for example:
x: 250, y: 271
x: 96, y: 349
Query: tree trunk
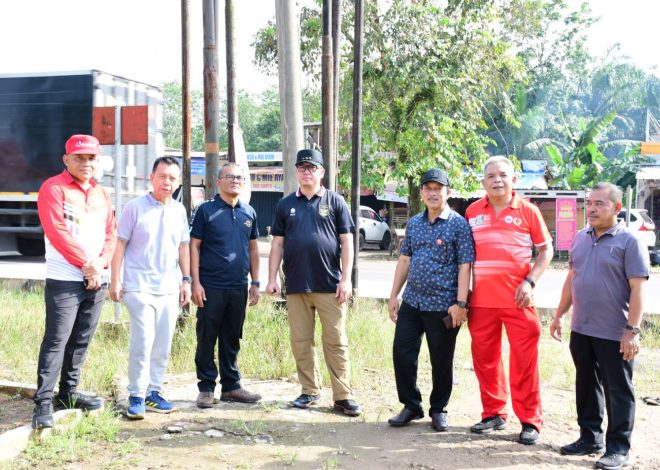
x: 414, y: 198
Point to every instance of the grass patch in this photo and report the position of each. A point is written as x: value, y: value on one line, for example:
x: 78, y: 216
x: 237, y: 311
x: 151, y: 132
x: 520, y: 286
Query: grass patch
x: 265, y: 348
x: 78, y: 445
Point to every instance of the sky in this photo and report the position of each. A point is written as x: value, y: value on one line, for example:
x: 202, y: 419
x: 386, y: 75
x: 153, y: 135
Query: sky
x: 140, y: 39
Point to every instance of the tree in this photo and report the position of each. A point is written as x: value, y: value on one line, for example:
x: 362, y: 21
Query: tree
x: 550, y: 39
x: 427, y: 89
x: 431, y: 68
x: 259, y: 118
x: 583, y: 164
x: 172, y: 125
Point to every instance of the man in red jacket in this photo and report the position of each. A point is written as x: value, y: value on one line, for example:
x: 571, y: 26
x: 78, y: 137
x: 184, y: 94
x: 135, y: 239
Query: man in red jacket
x: 80, y: 235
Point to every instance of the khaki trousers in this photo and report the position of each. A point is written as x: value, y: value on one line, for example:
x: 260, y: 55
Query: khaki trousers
x: 332, y: 315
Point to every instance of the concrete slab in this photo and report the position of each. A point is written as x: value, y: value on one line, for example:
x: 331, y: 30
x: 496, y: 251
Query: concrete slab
x: 13, y: 442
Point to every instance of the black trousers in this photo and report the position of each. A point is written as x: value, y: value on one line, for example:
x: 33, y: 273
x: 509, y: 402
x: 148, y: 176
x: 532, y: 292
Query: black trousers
x: 72, y: 314
x: 601, y: 372
x: 220, y: 321
x: 411, y: 325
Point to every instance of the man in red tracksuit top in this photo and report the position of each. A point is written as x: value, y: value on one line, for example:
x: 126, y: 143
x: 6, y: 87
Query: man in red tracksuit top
x: 504, y: 228
x: 80, y: 234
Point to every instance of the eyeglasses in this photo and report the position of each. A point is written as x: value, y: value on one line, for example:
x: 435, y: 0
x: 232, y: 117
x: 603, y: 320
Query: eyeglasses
x: 238, y: 178
x: 307, y: 168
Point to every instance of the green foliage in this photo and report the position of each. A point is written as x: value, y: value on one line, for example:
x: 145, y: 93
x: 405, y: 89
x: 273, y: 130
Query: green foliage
x: 264, y: 355
x: 584, y: 164
x: 172, y: 117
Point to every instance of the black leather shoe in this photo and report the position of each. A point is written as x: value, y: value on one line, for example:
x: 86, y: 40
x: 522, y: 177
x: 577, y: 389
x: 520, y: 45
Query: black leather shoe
x: 439, y: 421
x: 611, y: 461
x: 581, y: 447
x: 77, y: 400
x: 405, y: 417
x: 529, y: 435
x: 43, y: 415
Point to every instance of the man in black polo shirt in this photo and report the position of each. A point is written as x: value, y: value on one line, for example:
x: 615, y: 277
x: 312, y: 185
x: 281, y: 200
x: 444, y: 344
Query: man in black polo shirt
x: 313, y: 231
x: 223, y: 248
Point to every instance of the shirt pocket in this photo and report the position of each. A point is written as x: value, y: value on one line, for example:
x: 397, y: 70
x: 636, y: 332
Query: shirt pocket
x: 440, y: 251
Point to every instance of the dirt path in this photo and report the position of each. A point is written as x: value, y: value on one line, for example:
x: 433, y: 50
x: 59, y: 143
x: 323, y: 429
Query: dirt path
x: 273, y: 435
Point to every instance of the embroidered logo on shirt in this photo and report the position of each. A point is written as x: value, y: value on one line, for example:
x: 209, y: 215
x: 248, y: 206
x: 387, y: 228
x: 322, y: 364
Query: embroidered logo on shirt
x: 517, y: 221
x: 324, y: 210
x: 248, y: 223
x: 293, y: 212
x: 508, y: 219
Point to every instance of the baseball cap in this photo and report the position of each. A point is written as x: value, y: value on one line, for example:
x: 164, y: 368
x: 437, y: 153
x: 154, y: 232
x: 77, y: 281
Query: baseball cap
x: 435, y: 175
x: 309, y: 156
x: 81, y: 143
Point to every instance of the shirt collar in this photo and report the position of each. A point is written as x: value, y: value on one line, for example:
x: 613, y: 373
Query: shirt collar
x: 613, y: 230
x: 70, y: 179
x: 516, y: 201
x: 444, y: 214
x: 318, y: 193
x: 222, y: 201
x: 153, y: 201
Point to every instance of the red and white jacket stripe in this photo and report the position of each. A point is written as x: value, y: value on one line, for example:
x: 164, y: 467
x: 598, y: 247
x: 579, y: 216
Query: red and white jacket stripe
x: 79, y: 226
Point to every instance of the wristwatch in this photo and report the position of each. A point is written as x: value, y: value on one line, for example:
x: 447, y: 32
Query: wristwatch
x: 634, y: 329
x: 255, y: 283
x: 462, y: 304
x: 186, y: 278
x: 530, y: 282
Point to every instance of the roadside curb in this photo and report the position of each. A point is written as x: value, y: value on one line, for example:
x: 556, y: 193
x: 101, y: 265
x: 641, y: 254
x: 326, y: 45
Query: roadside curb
x: 17, y: 388
x: 15, y: 441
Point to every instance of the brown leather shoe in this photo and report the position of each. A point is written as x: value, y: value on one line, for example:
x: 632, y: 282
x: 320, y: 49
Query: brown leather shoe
x: 405, y: 417
x: 205, y: 400
x: 240, y: 395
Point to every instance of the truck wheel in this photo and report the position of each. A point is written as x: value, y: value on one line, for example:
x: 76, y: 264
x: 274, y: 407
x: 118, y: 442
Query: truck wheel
x: 385, y: 242
x: 31, y: 246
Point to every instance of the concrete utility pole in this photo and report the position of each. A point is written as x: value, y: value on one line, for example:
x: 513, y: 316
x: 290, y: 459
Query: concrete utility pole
x: 356, y: 153
x: 289, y: 66
x: 211, y: 100
x: 329, y: 160
x: 232, y: 94
x: 185, y: 106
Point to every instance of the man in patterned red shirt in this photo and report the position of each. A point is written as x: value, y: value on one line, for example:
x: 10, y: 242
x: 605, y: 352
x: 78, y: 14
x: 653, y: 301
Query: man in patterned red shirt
x: 80, y: 235
x: 504, y: 228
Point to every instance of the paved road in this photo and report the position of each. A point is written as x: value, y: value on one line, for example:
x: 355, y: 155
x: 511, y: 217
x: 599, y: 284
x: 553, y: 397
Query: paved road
x: 375, y: 278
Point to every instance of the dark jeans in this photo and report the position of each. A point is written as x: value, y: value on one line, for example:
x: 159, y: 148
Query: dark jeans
x: 601, y: 372
x: 220, y: 321
x: 410, y: 326
x: 72, y: 313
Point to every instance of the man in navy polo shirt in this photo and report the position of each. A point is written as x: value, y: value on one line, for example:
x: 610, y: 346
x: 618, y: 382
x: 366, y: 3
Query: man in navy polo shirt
x: 223, y: 248
x: 435, y: 260
x: 605, y: 285
x: 313, y: 232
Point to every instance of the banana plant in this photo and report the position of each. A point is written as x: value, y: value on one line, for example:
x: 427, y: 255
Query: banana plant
x: 583, y: 163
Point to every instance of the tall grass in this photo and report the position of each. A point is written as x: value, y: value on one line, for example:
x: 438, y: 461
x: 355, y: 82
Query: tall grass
x: 265, y: 348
